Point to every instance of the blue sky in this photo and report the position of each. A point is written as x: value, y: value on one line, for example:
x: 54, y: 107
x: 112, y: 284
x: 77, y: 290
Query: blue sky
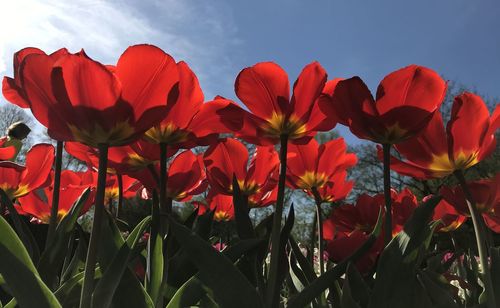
x: 457, y: 38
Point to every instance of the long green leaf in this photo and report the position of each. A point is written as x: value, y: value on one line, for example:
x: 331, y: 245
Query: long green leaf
x: 230, y: 287
x: 192, y: 291
x: 155, y: 261
x: 355, y: 293
x: 105, y: 289
x: 52, y: 258
x: 396, y: 284
x: 19, y: 271
x: 130, y: 292
x: 325, y: 281
x: 21, y: 228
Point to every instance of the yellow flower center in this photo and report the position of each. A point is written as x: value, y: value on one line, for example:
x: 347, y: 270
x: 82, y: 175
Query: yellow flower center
x: 118, y: 135
x: 311, y: 179
x: 166, y: 133
x: 221, y: 216
x: 13, y: 192
x: 442, y: 165
x: 278, y: 125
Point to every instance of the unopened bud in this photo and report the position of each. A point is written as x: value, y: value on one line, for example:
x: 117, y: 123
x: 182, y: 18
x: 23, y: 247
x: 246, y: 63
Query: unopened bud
x: 18, y: 130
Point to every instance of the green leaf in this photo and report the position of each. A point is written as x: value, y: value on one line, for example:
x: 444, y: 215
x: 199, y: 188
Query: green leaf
x: 326, y: 280
x: 230, y: 287
x: 106, y: 287
x: 19, y: 272
x: 52, y: 258
x: 396, y: 284
x: 495, y: 271
x: 22, y: 229
x: 244, y: 225
x: 68, y: 293
x: 130, y: 292
x: 304, y: 264
x: 189, y: 293
x: 155, y: 262
x: 193, y: 290
x: 438, y: 289
x: 355, y: 292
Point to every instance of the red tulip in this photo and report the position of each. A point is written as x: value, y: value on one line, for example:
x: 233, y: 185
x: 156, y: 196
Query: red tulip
x: 186, y: 177
x: 348, y: 227
x: 222, y: 205
x: 406, y: 100
x: 337, y: 188
x: 18, y: 181
x: 79, y: 99
x: 183, y: 125
x: 264, y: 89
x: 486, y: 195
x: 403, y: 205
x: 229, y: 158
x: 38, y: 204
x: 128, y: 159
x: 468, y: 139
x: 450, y: 218
x: 312, y: 166
x: 7, y: 152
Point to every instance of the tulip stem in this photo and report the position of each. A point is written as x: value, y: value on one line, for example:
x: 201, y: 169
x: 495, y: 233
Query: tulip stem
x: 165, y: 207
x: 478, y: 222
x: 88, y: 279
x: 273, y: 291
x: 120, y: 195
x: 387, y: 192
x: 55, y: 193
x: 319, y: 223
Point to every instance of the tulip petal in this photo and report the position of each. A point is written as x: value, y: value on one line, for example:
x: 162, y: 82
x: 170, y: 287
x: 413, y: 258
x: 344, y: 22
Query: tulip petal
x: 307, y: 89
x: 467, y: 127
x: 411, y: 86
x: 264, y: 88
x: 147, y: 75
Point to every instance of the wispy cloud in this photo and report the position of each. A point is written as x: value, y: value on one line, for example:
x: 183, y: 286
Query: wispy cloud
x: 201, y: 33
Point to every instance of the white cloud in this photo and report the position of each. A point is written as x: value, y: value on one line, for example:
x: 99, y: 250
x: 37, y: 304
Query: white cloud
x: 201, y: 33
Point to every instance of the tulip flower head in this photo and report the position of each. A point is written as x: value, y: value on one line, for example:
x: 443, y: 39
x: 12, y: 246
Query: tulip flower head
x: 18, y: 181
x: 265, y: 90
x: 405, y: 102
x: 468, y: 139
x: 79, y: 99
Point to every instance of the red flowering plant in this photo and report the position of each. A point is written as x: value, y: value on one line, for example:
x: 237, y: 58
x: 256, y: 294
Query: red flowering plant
x: 311, y: 169
x: 148, y: 138
x: 405, y: 103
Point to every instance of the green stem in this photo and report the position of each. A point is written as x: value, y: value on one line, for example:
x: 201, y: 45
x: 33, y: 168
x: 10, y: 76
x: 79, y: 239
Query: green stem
x: 120, y: 195
x: 55, y: 193
x: 319, y: 224
x: 163, y: 178
x: 88, y: 279
x: 477, y: 221
x: 273, y: 291
x: 387, y: 192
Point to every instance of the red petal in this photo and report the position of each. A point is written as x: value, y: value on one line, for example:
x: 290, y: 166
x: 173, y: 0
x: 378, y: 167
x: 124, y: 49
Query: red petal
x: 302, y: 158
x: 147, y: 75
x: 35, y: 73
x: 468, y: 126
x: 189, y: 101
x: 332, y: 157
x: 85, y: 82
x: 264, y: 89
x: 307, y: 89
x: 13, y: 93
x: 263, y: 165
x: 411, y: 86
x: 39, y: 160
x: 224, y: 160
